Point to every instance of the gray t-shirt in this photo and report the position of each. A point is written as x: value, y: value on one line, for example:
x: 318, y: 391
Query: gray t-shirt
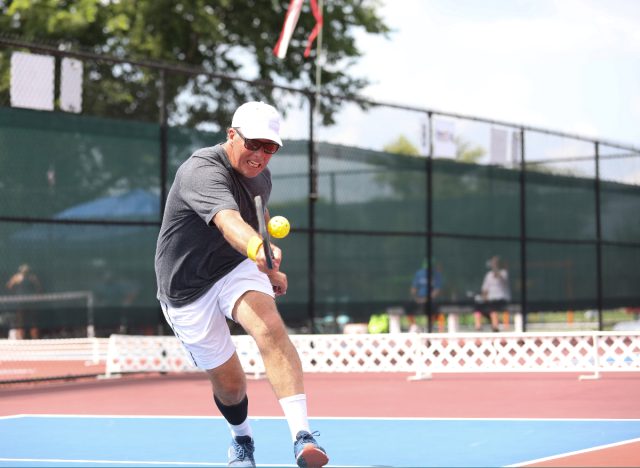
x: 191, y: 253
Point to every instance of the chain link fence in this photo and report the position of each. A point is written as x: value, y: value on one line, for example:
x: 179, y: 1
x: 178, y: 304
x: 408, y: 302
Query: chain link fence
x: 89, y: 146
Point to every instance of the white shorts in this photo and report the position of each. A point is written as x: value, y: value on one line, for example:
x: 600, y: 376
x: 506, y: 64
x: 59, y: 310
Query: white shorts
x: 202, y: 327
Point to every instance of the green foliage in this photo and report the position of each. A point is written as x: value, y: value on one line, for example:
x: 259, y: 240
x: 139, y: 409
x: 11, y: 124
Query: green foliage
x: 402, y: 146
x: 409, y: 182
x: 221, y: 37
x: 466, y: 153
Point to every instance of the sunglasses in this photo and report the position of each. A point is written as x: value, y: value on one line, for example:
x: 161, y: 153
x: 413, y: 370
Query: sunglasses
x: 254, y: 145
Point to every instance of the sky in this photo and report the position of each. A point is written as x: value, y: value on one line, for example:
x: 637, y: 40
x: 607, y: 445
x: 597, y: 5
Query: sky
x: 566, y: 65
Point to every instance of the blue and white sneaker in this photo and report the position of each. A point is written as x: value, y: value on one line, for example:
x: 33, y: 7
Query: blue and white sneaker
x: 307, y: 451
x: 241, y: 452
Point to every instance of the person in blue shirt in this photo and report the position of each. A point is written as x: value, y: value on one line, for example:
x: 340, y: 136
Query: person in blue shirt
x: 419, y: 291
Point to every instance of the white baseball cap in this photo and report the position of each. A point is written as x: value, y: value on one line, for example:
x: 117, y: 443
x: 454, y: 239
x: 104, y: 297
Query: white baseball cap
x: 257, y: 120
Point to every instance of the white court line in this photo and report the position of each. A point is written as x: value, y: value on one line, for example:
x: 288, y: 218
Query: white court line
x: 115, y: 462
x: 13, y: 416
x: 577, y: 452
x: 153, y: 463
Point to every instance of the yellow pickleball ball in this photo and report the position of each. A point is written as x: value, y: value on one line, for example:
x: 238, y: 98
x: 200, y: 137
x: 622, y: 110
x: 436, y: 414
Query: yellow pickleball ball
x: 279, y: 227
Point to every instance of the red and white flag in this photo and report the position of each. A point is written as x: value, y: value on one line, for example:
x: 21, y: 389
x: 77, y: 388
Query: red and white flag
x: 290, y: 21
x: 317, y: 14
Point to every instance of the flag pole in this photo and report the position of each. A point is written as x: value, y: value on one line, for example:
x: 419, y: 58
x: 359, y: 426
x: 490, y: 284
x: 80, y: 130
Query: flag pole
x: 319, y: 60
x: 313, y: 170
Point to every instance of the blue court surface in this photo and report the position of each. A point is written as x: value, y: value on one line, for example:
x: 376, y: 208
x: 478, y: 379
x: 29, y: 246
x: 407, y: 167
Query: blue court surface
x: 60, y: 440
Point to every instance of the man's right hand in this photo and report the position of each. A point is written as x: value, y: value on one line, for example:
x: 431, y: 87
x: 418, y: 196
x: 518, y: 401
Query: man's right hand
x: 279, y: 282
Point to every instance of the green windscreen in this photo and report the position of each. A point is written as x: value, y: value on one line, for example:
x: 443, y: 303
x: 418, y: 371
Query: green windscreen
x: 81, y: 204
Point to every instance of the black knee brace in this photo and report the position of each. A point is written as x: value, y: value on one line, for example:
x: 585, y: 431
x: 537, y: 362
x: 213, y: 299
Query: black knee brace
x: 234, y: 414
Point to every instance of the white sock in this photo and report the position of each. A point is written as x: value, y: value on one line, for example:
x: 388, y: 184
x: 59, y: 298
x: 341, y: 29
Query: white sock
x: 295, y: 410
x: 242, y: 429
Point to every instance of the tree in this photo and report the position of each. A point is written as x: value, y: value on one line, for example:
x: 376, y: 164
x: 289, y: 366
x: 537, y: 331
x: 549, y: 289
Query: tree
x: 408, y: 182
x: 407, y: 178
x: 225, y: 36
x: 466, y: 153
x: 402, y: 146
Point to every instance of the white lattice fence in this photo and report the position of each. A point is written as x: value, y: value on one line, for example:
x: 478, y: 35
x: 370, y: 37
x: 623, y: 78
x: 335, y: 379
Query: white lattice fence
x: 146, y: 354
x: 619, y: 351
x: 421, y: 354
x: 523, y: 353
x: 530, y: 352
x: 357, y: 353
x: 128, y: 353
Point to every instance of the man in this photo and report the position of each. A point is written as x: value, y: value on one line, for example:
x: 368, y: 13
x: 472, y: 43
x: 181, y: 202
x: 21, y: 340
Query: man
x: 204, y: 277
x: 495, y: 293
x: 24, y: 282
x: 418, y: 292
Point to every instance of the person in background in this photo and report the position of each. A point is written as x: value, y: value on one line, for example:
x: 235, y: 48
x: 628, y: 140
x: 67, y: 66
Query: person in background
x: 495, y: 294
x: 210, y: 267
x: 24, y: 282
x: 418, y: 292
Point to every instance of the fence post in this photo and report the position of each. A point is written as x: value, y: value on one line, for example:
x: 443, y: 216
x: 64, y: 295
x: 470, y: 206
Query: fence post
x: 523, y: 232
x: 419, y: 356
x: 598, y: 239
x: 313, y: 197
x: 429, y: 205
x: 91, y: 330
x: 596, y: 359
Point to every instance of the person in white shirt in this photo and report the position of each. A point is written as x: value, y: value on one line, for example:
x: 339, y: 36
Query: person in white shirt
x: 495, y: 293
